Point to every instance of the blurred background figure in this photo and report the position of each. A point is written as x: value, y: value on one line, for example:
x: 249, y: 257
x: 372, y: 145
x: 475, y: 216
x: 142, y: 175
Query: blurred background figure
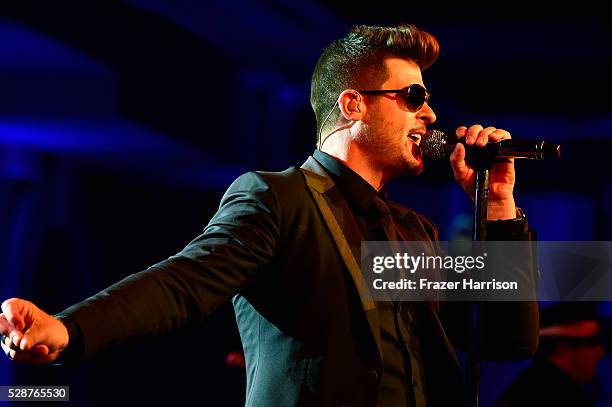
x: 565, y: 365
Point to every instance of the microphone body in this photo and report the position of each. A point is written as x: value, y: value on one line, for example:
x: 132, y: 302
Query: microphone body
x: 437, y: 145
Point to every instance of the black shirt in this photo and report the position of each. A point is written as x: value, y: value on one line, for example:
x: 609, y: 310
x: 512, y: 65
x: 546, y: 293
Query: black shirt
x: 399, y: 348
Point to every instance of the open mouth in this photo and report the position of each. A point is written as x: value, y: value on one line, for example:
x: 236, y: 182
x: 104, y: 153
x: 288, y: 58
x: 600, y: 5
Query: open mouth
x: 415, y: 137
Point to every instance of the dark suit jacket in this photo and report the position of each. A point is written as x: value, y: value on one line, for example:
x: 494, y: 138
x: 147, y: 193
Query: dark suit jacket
x: 309, y: 337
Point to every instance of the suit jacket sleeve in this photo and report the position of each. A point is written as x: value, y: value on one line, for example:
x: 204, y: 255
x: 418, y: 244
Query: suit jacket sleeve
x: 230, y: 254
x: 509, y: 328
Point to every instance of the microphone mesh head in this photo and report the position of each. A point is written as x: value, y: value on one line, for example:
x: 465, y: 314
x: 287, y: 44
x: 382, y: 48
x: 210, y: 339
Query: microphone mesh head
x: 433, y: 144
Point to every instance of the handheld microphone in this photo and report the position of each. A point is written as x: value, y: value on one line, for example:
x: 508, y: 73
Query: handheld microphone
x: 437, y: 145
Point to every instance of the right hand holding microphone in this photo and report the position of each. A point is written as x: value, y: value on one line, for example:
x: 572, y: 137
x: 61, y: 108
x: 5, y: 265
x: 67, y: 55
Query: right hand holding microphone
x: 29, y: 334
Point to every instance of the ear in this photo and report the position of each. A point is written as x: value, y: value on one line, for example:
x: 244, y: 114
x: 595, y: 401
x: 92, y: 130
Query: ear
x: 351, y: 105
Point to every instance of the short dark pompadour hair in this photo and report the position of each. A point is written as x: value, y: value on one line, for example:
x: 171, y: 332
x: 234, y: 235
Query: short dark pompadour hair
x: 357, y: 60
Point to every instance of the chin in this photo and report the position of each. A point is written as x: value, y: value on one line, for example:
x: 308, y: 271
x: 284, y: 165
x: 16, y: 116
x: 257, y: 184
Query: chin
x: 412, y: 169
x: 416, y: 170
x: 414, y: 165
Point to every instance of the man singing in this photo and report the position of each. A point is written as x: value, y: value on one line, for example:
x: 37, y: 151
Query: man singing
x: 284, y: 248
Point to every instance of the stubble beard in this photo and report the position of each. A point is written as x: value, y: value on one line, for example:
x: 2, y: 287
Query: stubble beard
x: 396, y: 159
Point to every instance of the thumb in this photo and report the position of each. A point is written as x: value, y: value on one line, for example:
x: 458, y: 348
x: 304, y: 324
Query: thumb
x: 14, y: 310
x: 457, y: 160
x: 458, y: 154
x: 32, y: 338
x: 47, y: 331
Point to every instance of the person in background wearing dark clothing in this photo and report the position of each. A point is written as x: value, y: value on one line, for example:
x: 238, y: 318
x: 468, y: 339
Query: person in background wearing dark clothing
x: 284, y: 247
x: 570, y: 348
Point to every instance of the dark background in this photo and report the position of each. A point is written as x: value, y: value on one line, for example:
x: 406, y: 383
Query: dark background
x: 122, y: 123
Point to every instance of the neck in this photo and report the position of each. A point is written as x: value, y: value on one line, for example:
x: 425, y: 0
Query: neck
x: 357, y: 160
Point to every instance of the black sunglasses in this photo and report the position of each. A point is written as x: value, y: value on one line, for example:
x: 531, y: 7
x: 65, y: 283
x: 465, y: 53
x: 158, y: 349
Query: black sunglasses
x: 414, y: 95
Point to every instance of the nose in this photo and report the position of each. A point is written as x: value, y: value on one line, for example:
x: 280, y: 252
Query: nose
x: 426, y: 113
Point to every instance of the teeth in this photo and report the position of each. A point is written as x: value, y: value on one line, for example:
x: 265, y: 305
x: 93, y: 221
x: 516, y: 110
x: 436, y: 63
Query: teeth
x: 415, y: 137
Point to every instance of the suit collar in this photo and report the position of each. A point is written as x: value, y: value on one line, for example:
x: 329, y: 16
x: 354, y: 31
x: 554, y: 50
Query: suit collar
x: 345, y: 233
x: 356, y: 190
x: 328, y: 198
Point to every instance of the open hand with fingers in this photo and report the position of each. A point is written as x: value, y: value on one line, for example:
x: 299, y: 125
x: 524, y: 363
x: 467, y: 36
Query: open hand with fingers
x: 29, y: 334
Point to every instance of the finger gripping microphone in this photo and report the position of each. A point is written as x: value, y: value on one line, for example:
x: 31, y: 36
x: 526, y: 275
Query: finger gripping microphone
x: 437, y: 145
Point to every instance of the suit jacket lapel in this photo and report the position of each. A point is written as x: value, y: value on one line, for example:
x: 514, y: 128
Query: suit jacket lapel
x: 345, y: 232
